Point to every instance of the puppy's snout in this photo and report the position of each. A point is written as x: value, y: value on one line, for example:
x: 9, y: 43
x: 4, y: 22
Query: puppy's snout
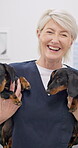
x: 48, y: 91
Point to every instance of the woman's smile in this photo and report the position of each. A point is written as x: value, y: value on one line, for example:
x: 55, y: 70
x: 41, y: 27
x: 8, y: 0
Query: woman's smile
x: 53, y: 48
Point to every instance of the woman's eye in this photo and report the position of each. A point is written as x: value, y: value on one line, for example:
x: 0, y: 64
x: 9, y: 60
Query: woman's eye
x: 65, y: 35
x: 49, y: 32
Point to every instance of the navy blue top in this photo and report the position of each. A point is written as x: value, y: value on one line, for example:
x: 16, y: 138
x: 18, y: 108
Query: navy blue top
x: 42, y: 121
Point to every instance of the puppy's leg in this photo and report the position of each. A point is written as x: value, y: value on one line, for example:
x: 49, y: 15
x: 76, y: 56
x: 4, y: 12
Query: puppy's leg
x: 74, y: 138
x: 7, y: 133
x: 11, y: 95
x: 72, y: 104
x: 24, y: 84
x: 15, y: 99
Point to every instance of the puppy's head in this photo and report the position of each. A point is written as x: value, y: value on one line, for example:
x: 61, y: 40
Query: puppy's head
x: 7, y: 74
x: 58, y: 81
x: 2, y: 73
x: 2, y: 77
x: 10, y: 72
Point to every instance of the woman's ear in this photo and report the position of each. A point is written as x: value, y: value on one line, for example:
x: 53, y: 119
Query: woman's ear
x: 72, y: 41
x: 38, y: 32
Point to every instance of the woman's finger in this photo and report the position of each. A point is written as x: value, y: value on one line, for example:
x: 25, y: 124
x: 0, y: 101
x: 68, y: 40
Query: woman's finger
x: 18, y: 90
x: 12, y: 86
x: 10, y: 108
x: 75, y: 113
x: 70, y: 99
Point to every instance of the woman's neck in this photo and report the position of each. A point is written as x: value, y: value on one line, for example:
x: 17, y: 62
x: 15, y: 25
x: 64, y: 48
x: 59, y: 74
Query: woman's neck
x: 50, y: 64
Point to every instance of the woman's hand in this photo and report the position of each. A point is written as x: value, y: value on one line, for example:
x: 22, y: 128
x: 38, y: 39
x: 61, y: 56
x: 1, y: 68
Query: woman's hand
x: 75, y: 113
x: 7, y: 107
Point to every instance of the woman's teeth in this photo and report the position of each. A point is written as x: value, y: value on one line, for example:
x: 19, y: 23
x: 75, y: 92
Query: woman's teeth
x: 53, y: 48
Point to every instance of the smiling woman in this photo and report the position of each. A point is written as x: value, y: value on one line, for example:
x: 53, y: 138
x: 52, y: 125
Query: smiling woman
x: 54, y: 42
x: 59, y: 29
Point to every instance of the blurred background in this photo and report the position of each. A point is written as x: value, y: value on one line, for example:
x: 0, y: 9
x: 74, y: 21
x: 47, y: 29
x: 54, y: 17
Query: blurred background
x: 18, y: 21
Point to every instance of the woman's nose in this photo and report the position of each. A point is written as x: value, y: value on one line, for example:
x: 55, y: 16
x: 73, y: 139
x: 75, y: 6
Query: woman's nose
x: 55, y: 39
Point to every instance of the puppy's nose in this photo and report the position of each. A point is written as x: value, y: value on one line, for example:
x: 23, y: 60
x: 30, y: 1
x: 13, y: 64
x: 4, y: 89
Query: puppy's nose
x: 48, y: 91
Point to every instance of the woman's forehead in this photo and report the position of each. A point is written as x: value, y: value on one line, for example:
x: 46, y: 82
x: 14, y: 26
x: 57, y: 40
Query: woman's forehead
x: 53, y: 25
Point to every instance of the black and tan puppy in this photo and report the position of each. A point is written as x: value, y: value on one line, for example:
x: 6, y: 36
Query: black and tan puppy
x: 8, y: 76
x: 66, y: 78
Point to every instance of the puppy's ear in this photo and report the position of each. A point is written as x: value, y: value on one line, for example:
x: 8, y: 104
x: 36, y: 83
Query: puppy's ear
x: 51, y: 77
x: 10, y: 71
x: 53, y: 73
x: 73, y: 84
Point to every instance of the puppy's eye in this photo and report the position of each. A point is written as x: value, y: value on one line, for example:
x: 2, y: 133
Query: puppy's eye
x: 58, y: 80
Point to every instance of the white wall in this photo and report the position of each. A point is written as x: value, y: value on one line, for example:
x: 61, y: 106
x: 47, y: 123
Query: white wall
x: 19, y: 18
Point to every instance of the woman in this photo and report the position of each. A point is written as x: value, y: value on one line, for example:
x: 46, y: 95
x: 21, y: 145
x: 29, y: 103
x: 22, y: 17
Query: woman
x: 45, y: 121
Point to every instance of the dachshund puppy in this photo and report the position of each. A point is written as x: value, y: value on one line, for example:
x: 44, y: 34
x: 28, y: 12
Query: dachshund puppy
x: 8, y: 76
x: 66, y: 78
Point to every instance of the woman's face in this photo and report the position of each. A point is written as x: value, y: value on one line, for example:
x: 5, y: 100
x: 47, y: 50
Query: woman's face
x: 54, y: 41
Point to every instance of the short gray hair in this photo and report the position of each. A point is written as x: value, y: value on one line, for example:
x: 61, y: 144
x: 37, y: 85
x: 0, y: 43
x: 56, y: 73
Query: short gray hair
x: 64, y: 19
